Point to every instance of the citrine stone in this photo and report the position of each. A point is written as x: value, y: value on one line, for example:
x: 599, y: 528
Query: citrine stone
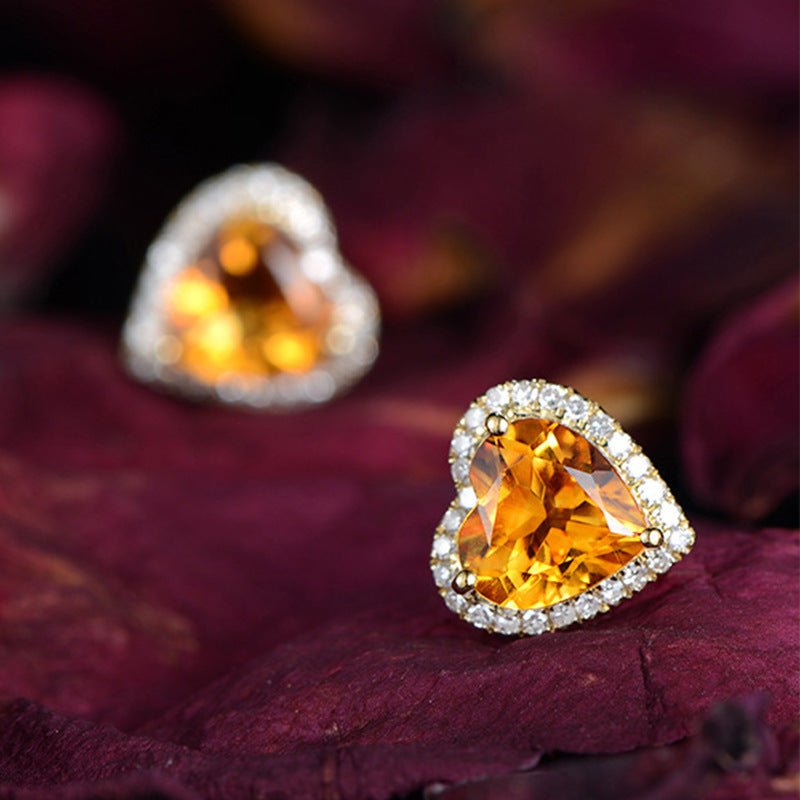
x: 553, y: 517
x: 245, y: 308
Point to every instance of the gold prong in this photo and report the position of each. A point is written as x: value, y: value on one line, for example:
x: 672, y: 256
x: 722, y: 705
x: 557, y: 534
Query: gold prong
x: 463, y: 582
x: 496, y: 424
x: 652, y: 537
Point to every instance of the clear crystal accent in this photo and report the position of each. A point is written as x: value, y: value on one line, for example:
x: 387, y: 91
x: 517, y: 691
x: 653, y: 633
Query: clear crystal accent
x: 497, y: 398
x: 460, y: 470
x: 523, y: 394
x: 563, y: 615
x: 669, y: 514
x: 443, y: 574
x: 576, y: 408
x: 467, y: 497
x: 534, y: 622
x: 475, y: 418
x: 612, y: 591
x: 600, y: 427
x: 452, y: 520
x: 507, y: 624
x: 635, y: 576
x: 442, y: 546
x: 455, y: 602
x: 551, y: 396
x: 651, y: 491
x: 658, y: 560
x: 480, y: 616
x: 637, y: 466
x: 461, y: 444
x: 680, y: 539
x: 619, y: 444
x: 587, y: 606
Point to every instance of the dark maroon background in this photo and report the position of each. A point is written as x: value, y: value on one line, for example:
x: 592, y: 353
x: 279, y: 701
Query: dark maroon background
x: 199, y: 603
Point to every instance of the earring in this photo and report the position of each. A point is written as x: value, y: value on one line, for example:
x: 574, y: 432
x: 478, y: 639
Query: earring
x: 558, y: 515
x: 244, y: 298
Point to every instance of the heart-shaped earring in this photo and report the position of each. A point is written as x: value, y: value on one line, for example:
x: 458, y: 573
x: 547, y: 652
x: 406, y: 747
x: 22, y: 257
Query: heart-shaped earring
x: 558, y: 515
x: 244, y: 298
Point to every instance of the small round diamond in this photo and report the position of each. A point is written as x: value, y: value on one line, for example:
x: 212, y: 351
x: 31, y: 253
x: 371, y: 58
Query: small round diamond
x: 452, y: 519
x: 551, y: 396
x: 442, y: 546
x: 534, y: 622
x: 587, y: 606
x: 563, y: 615
x: 576, y: 408
x: 600, y: 427
x: 460, y: 470
x: 443, y: 574
x: 619, y: 444
x: 612, y: 591
x: 635, y: 576
x: 637, y: 466
x: 455, y: 602
x: 474, y: 418
x: 669, y: 514
x: 680, y: 539
x: 462, y: 443
x: 523, y: 394
x: 658, y: 560
x: 480, y: 616
x: 508, y: 625
x: 497, y: 398
x: 467, y: 497
x: 651, y: 491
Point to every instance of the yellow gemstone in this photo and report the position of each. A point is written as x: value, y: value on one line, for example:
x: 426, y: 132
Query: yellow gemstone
x: 553, y: 517
x: 245, y: 308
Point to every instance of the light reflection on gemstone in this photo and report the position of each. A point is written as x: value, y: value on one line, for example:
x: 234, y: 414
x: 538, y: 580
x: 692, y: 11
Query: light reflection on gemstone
x: 244, y: 307
x: 552, y: 517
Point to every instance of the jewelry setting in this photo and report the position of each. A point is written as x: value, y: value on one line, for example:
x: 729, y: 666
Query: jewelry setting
x: 245, y: 299
x: 558, y: 515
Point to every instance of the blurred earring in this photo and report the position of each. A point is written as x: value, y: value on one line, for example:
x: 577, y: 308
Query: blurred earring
x: 558, y: 515
x: 244, y: 298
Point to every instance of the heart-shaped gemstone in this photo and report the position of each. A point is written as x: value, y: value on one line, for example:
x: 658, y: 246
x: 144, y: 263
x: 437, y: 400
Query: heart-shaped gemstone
x: 552, y: 519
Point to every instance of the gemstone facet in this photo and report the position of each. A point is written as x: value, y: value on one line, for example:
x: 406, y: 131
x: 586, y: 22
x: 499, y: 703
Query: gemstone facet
x: 552, y: 517
x: 244, y: 307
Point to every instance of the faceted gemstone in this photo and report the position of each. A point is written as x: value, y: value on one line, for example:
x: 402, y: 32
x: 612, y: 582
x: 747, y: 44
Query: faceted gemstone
x: 244, y: 307
x: 552, y: 517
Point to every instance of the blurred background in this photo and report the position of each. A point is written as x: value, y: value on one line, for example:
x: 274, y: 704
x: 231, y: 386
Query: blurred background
x: 586, y: 191
x: 599, y: 192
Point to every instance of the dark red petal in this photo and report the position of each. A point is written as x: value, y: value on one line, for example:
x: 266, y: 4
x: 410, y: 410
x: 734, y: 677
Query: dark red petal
x: 57, y: 142
x: 740, y: 423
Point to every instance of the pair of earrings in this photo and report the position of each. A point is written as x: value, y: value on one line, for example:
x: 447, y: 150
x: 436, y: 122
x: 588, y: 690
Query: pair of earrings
x: 245, y: 299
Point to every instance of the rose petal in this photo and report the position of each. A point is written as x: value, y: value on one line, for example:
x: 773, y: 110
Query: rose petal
x: 735, y: 740
x: 57, y: 143
x: 740, y: 426
x: 724, y: 45
x: 405, y: 694
x: 377, y: 43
